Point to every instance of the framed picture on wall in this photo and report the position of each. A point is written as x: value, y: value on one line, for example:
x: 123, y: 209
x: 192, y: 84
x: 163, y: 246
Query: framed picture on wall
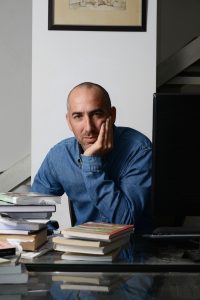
x: 101, y: 15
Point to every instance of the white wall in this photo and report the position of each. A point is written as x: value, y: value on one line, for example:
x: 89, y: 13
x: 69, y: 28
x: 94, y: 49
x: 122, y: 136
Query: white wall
x: 15, y: 81
x: 123, y: 62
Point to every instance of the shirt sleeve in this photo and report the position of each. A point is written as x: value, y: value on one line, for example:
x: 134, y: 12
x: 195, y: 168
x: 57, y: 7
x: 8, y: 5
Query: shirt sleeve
x: 123, y: 202
x: 45, y: 180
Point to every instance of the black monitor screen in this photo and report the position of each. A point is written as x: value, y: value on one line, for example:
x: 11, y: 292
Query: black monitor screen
x: 176, y: 155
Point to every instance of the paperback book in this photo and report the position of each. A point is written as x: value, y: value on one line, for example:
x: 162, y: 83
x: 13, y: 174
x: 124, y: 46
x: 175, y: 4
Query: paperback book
x: 109, y: 257
x: 7, y: 223
x: 85, y: 278
x: 89, y: 242
x: 88, y: 287
x: 6, y: 207
x: 98, y: 231
x: 16, y: 231
x: 60, y: 244
x: 30, y: 215
x: 29, y: 198
x: 103, y: 286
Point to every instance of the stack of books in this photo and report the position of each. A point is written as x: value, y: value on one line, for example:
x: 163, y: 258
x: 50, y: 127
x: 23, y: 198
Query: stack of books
x: 12, y: 272
x: 93, y: 241
x: 24, y: 218
x: 28, y: 205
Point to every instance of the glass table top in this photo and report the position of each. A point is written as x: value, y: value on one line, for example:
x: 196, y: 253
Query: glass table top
x: 140, y: 255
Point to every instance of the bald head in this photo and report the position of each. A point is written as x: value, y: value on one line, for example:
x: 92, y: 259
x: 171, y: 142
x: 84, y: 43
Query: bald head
x: 88, y: 110
x: 93, y: 86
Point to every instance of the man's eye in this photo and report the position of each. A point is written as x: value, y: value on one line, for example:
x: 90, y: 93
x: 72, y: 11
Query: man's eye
x: 77, y: 117
x: 98, y: 114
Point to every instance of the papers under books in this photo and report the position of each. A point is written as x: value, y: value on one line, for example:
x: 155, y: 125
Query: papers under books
x: 93, y: 241
x: 30, y: 198
x: 10, y: 260
x: 98, y: 231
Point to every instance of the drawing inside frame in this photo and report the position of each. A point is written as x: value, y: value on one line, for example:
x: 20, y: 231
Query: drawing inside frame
x: 110, y: 15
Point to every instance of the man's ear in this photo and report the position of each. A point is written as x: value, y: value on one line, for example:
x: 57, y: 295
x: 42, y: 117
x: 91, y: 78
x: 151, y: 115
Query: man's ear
x: 113, y: 114
x: 68, y: 121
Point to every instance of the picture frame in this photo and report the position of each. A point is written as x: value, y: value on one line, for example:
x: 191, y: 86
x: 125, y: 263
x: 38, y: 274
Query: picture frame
x: 97, y: 15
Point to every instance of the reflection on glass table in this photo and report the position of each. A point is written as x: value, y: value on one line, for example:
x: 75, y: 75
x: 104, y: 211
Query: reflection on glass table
x: 136, y: 286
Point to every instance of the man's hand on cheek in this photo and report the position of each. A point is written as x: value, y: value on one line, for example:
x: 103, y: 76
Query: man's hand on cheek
x: 104, y: 142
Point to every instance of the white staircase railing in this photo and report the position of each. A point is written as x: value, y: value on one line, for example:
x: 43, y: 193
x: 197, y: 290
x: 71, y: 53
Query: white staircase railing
x: 16, y: 174
x: 176, y: 63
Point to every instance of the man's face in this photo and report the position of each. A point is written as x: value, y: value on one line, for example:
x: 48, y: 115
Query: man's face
x: 87, y: 111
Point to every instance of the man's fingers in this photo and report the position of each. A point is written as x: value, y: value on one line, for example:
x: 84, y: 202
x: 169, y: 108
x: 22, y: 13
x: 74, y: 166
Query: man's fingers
x: 104, y: 142
x: 110, y: 134
x: 106, y: 134
x: 101, y: 135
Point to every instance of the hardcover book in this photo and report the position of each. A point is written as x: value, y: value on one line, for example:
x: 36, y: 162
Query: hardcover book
x: 29, y: 242
x: 98, y: 231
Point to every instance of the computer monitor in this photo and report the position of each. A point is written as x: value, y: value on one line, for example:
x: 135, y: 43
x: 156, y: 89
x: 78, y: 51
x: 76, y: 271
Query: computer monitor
x: 176, y: 157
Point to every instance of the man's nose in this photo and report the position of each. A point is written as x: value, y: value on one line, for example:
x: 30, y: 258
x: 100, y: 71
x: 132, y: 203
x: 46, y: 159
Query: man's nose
x: 88, y: 124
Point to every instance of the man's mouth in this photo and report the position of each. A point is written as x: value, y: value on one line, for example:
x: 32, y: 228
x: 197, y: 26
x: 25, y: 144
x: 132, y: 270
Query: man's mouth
x: 90, y: 139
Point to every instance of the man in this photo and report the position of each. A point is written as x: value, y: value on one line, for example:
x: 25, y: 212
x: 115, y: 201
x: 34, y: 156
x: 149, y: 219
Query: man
x: 105, y: 170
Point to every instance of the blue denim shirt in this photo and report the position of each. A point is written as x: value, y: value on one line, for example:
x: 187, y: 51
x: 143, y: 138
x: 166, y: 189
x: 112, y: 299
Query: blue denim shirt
x: 113, y: 188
